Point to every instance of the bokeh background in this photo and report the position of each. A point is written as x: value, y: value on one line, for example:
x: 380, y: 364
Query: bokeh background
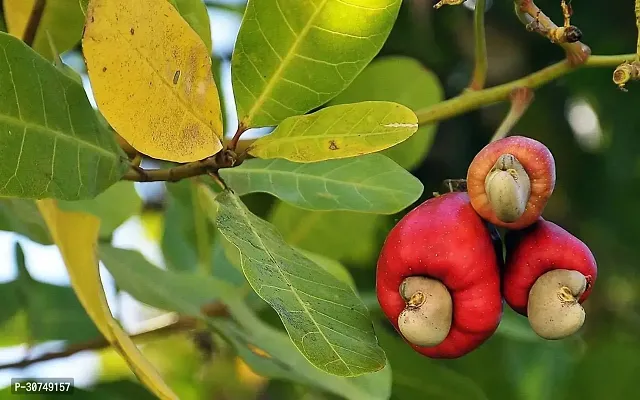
x: 590, y: 126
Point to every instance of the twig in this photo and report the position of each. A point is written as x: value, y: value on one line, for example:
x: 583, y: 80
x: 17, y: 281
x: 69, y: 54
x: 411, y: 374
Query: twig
x: 471, y: 100
x: 183, y: 324
x: 34, y: 22
x: 481, y: 63
x: 236, y: 137
x: 534, y: 19
x: 521, y: 99
x: 174, y: 174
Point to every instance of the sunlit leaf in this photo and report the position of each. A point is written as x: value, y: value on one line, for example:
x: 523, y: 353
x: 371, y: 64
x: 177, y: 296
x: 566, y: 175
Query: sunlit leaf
x: 402, y: 80
x: 324, y: 317
x: 195, y: 13
x: 338, y: 132
x: 371, y: 183
x: 151, y: 76
x: 52, y: 145
x: 61, y: 19
x: 341, y: 235
x: 22, y: 217
x: 292, y: 56
x: 114, y: 206
x: 76, y: 235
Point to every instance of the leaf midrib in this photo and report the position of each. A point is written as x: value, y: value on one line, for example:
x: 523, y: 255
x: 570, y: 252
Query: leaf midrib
x: 320, y: 178
x: 56, y: 133
x: 275, y: 78
x: 290, y: 285
x: 288, y: 138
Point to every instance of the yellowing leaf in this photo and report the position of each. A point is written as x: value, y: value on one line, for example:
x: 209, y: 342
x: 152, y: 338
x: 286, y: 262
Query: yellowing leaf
x: 338, y: 132
x: 76, y: 235
x: 61, y: 19
x: 151, y: 76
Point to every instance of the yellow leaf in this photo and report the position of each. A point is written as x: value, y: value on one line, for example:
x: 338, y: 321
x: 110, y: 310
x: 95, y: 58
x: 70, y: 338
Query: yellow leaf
x: 151, y: 77
x: 76, y: 236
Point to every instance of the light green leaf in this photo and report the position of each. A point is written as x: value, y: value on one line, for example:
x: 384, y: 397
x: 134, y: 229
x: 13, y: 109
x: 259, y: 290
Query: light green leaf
x: 324, y: 317
x: 270, y: 353
x: 331, y: 266
x: 39, y: 312
x: 187, y: 293
x: 62, y: 20
x: 22, y: 217
x: 338, y: 132
x: 417, y: 377
x: 166, y: 290
x: 341, y: 235
x: 402, y: 80
x: 292, y: 56
x: 196, y: 15
x: 371, y: 183
x: 52, y: 145
x: 114, y: 206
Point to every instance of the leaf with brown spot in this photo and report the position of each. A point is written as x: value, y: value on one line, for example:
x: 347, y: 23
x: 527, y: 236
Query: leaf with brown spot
x: 133, y: 50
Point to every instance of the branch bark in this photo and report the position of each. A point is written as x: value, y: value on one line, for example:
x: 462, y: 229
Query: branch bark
x: 34, y: 22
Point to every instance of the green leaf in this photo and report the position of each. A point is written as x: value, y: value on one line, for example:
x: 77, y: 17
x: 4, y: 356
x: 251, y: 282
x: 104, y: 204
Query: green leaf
x: 151, y: 285
x: 338, y: 132
x: 324, y: 317
x: 292, y: 56
x: 270, y: 353
x: 187, y: 240
x: 22, y: 217
x: 405, y: 81
x: 187, y: 293
x: 123, y: 194
x: 38, y: 312
x: 52, y: 144
x: 62, y: 20
x: 196, y: 15
x: 331, y: 266
x: 417, y: 377
x: 330, y: 233
x: 371, y: 183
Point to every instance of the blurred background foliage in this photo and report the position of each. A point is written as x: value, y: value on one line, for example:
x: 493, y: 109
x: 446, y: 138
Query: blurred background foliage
x: 588, y: 124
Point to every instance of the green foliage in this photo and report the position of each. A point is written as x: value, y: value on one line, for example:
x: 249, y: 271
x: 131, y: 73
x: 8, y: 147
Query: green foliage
x: 323, y: 316
x: 330, y: 233
x: 370, y: 183
x: 122, y: 193
x: 401, y: 80
x: 54, y: 145
x: 293, y: 56
x: 21, y: 216
x: 195, y: 13
x: 62, y: 21
x: 35, y: 312
x: 338, y: 132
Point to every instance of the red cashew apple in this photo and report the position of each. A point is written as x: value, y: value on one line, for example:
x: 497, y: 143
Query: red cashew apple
x: 548, y: 274
x: 510, y: 181
x: 438, y: 278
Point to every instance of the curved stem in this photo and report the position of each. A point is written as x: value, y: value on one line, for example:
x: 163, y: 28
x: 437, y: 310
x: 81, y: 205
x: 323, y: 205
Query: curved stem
x: 481, y: 62
x: 471, y: 100
x: 34, y: 22
x: 521, y: 99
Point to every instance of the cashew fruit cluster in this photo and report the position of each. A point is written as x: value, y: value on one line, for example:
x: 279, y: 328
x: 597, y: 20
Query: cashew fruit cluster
x: 441, y: 276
